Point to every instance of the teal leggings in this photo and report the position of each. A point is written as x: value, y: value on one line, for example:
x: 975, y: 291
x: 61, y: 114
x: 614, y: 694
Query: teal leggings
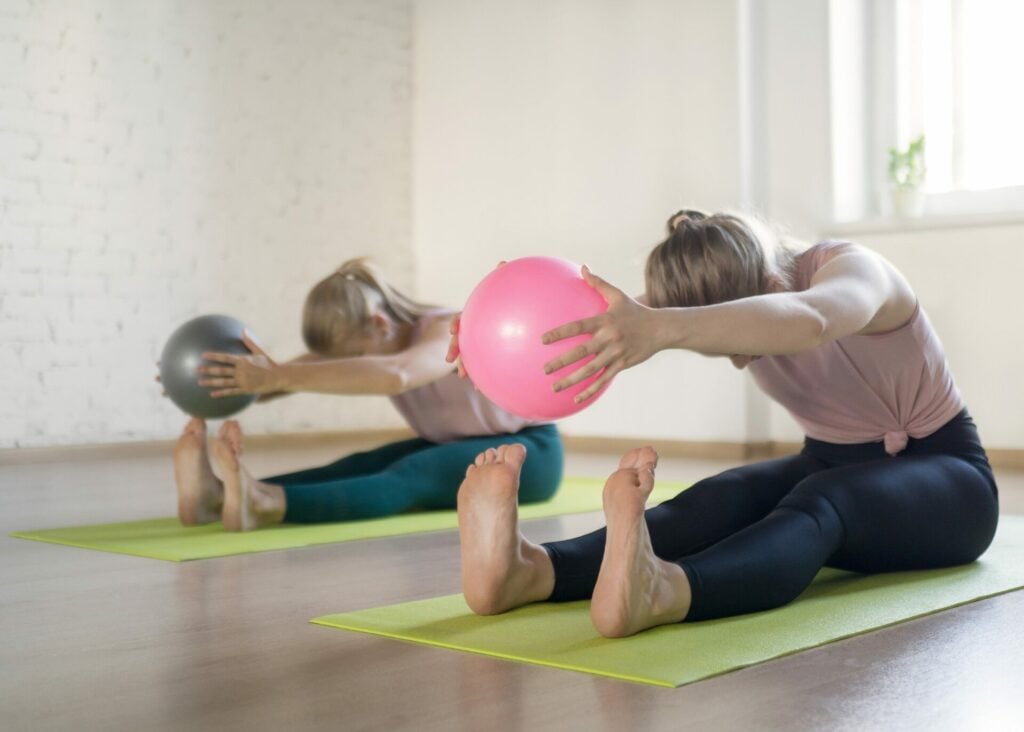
x: 413, y: 474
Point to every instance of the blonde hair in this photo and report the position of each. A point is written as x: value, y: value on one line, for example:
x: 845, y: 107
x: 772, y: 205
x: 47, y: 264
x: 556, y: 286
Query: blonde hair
x: 342, y: 305
x: 712, y: 258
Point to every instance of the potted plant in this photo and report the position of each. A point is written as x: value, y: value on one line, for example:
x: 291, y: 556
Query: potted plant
x: 906, y: 176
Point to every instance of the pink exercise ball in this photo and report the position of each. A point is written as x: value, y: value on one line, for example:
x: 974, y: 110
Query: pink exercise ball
x: 500, y: 335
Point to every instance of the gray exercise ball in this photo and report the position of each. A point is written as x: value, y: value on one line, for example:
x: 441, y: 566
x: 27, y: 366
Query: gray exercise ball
x: 183, y: 353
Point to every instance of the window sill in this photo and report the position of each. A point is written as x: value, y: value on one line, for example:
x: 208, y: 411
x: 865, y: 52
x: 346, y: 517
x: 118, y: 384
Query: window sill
x: 893, y: 225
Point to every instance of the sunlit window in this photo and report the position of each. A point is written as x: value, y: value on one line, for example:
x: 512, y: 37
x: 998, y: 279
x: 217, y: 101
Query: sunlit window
x: 959, y: 67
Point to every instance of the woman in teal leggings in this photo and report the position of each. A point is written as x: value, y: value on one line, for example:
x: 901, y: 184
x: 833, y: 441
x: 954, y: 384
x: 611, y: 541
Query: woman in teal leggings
x: 410, y: 474
x: 364, y: 337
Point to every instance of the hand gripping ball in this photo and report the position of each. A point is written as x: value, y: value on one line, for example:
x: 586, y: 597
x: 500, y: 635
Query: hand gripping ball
x: 183, y: 353
x: 500, y: 335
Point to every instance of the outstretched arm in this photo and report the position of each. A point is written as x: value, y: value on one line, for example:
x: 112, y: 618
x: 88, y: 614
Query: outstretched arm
x: 304, y: 358
x: 420, y: 364
x: 854, y: 292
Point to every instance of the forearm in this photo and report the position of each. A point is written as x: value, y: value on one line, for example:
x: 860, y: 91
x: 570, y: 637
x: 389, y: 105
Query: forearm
x: 274, y: 395
x: 765, y: 325
x: 358, y: 375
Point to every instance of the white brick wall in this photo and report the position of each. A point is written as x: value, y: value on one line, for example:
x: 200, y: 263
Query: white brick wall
x: 160, y: 160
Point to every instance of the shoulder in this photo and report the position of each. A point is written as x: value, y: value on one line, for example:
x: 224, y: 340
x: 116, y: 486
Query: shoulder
x: 853, y: 270
x: 824, y: 252
x: 830, y: 259
x: 433, y: 325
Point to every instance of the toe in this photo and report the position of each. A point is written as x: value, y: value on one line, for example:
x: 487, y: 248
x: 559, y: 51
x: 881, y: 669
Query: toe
x: 648, y: 457
x: 513, y: 454
x: 645, y: 475
x: 631, y: 459
x: 232, y: 432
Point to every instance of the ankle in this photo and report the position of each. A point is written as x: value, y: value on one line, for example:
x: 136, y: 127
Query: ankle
x: 270, y: 503
x: 672, y: 598
x: 540, y: 572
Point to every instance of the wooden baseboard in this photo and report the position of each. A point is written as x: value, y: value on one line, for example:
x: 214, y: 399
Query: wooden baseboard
x: 1006, y: 459
x: 695, y: 449
x: 151, y: 448
x: 1001, y: 458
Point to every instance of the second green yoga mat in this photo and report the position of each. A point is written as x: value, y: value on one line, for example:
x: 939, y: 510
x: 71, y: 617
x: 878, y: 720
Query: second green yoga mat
x: 167, y: 539
x: 837, y: 605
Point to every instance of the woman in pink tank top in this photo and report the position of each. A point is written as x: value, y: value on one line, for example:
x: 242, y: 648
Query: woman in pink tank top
x: 892, y: 475
x: 364, y: 337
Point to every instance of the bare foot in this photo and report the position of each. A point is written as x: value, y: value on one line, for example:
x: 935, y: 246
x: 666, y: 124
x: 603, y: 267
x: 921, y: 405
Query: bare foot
x: 200, y: 494
x: 500, y: 568
x: 248, y: 503
x: 635, y: 589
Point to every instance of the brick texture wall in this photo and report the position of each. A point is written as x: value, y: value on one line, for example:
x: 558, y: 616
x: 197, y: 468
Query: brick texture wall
x: 162, y: 159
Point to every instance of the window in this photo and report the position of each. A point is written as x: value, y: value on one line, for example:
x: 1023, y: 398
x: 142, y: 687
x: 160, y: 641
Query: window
x: 958, y: 81
x: 948, y: 69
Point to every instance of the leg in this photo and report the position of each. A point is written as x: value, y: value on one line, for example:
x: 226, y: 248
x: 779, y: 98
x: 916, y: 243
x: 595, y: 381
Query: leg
x: 200, y: 493
x: 539, y: 478
x: 914, y: 512
x: 697, y: 518
x: 248, y: 503
x: 635, y: 589
x: 358, y: 463
x: 500, y: 568
x: 427, y: 478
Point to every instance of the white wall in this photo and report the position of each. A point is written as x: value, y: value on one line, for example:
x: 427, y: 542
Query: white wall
x: 574, y: 129
x: 162, y: 159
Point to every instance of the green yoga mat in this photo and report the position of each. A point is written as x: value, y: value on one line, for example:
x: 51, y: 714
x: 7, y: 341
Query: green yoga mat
x: 836, y: 605
x: 167, y: 539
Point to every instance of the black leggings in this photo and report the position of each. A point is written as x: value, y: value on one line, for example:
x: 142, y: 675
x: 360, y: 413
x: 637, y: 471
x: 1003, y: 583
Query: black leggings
x: 753, y: 538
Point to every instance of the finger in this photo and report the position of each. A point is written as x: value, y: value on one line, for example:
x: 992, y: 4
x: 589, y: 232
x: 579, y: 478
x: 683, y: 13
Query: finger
x: 218, y: 357
x: 579, y: 352
x: 453, y: 349
x: 251, y: 343
x: 216, y: 370
x: 462, y: 369
x: 157, y: 379
x: 575, y: 328
x: 598, y: 384
x: 585, y: 372
x: 453, y: 328
x: 218, y: 382
x: 227, y: 392
x: 608, y: 291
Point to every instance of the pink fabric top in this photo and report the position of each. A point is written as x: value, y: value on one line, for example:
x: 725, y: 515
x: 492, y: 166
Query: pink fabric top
x: 451, y: 408
x: 864, y: 388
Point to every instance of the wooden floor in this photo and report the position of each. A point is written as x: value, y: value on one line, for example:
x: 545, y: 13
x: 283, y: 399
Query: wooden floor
x: 101, y: 641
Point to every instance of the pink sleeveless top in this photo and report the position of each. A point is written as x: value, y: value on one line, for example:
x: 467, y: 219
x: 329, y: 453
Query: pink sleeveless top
x: 864, y: 388
x: 451, y: 408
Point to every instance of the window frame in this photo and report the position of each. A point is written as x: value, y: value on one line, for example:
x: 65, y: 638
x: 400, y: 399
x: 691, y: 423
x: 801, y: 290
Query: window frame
x: 882, y: 109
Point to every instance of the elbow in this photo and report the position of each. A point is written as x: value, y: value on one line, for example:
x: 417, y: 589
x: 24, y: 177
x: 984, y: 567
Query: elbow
x: 817, y: 329
x: 396, y: 382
